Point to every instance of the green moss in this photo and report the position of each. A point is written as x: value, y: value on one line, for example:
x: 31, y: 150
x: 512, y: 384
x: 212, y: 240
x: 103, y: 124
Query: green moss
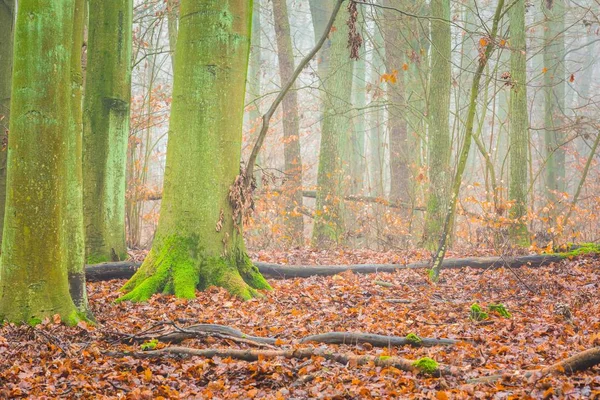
x: 578, y: 250
x: 477, y: 314
x: 149, y: 345
x: 414, y: 339
x: 33, y: 321
x: 384, y: 358
x: 500, y: 309
x: 177, y: 267
x: 426, y: 365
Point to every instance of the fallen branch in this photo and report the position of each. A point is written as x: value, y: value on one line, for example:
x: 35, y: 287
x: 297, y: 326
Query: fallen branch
x: 579, y: 362
x: 375, y: 340
x: 253, y: 355
x: 179, y: 334
x: 126, y: 269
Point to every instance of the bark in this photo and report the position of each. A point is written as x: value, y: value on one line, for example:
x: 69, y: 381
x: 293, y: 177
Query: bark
x: 292, y: 188
x: 357, y: 160
x: 7, y: 15
x: 199, y: 241
x: 439, y: 145
x: 444, y: 235
x: 106, y: 128
x: 254, y: 79
x: 519, y: 126
x: 394, y: 36
x: 34, y: 263
x: 554, y: 95
x: 73, y: 245
x: 122, y: 270
x: 376, y: 139
x: 254, y: 355
x: 329, y: 225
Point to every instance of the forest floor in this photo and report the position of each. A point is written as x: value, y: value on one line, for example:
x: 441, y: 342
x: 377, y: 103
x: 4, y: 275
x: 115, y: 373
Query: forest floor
x: 555, y: 314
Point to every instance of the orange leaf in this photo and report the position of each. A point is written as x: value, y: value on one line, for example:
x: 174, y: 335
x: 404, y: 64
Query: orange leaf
x: 441, y: 396
x: 405, y: 67
x: 483, y: 42
x: 572, y: 78
x: 544, y: 70
x: 502, y: 43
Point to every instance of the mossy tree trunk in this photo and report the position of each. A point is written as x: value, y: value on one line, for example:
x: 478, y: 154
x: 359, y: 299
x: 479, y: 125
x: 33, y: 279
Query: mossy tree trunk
x: 329, y: 225
x: 554, y: 95
x: 7, y: 16
x: 198, y: 243
x: 439, y: 146
x: 73, y: 245
x: 254, y: 81
x: 519, y: 126
x: 35, y: 261
x: 292, y: 189
x: 106, y: 129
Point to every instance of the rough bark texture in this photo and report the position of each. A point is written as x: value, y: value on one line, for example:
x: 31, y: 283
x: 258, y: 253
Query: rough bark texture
x: 554, y: 95
x: 292, y: 189
x: 440, y: 174
x: 34, y: 283
x: 519, y: 126
x: 376, y: 139
x: 393, y: 33
x: 329, y: 219
x: 198, y: 243
x: 254, y: 80
x: 106, y: 128
x: 7, y: 15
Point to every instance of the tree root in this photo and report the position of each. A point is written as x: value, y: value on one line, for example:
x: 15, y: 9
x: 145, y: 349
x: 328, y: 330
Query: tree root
x: 376, y: 340
x: 253, y: 355
x: 578, y: 362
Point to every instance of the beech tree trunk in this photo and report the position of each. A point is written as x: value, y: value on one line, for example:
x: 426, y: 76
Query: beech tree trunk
x: 440, y: 174
x: 519, y: 126
x: 7, y: 15
x: 35, y: 250
x: 329, y: 225
x: 199, y: 239
x: 106, y: 128
x: 292, y: 190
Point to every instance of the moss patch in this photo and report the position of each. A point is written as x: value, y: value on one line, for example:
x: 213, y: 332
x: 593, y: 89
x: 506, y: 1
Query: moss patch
x: 414, y: 339
x: 571, y: 250
x: 149, y: 345
x: 426, y: 365
x: 477, y: 314
x: 500, y: 309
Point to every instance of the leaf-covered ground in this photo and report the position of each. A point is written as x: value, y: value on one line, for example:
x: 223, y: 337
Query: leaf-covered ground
x: 60, y: 362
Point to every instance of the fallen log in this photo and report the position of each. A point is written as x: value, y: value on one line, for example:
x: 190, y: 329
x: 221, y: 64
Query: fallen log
x: 125, y: 269
x: 578, y: 362
x: 427, y: 366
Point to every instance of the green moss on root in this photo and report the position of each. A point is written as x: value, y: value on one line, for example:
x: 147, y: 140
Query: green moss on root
x: 426, y: 365
x: 178, y: 267
x: 579, y: 250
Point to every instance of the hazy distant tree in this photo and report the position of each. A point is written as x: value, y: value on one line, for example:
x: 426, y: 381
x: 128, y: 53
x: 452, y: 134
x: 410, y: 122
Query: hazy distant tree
x: 292, y: 189
x: 519, y: 124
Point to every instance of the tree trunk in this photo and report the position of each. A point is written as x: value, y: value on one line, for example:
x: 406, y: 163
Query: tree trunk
x: 519, y: 126
x: 254, y: 81
x: 199, y: 239
x: 394, y: 36
x: 172, y: 20
x: 377, y: 129
x: 440, y: 175
x: 7, y: 15
x: 292, y: 189
x: 554, y: 95
x: 329, y: 224
x: 357, y: 161
x: 106, y: 129
x: 35, y: 260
